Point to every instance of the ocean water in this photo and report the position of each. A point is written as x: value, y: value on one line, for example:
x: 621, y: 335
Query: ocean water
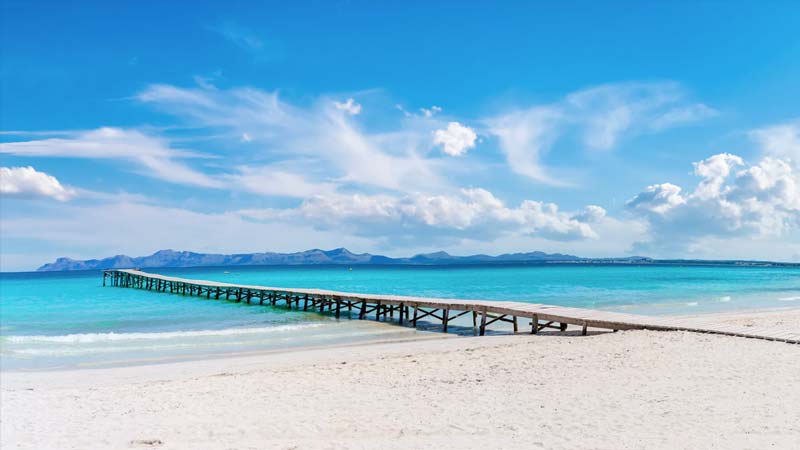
x: 67, y: 319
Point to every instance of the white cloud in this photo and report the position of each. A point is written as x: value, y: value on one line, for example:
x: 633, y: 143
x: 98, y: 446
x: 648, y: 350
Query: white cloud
x: 683, y: 115
x: 89, y: 231
x: 714, y: 171
x: 331, y: 145
x: 152, y: 155
x: 349, y: 106
x: 524, y: 137
x: 781, y: 141
x: 601, y: 115
x: 430, y: 112
x: 426, y: 113
x: 456, y: 139
x: 28, y: 182
x: 277, y: 182
x: 337, y: 146
x: 657, y: 198
x: 759, y: 201
x: 608, y: 111
x: 473, y: 213
x: 591, y: 214
x: 243, y: 37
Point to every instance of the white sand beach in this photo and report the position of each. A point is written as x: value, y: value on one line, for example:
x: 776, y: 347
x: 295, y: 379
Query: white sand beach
x: 626, y: 390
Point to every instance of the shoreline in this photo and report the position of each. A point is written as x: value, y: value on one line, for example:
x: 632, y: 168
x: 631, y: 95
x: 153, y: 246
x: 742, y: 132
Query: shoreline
x: 746, y: 317
x: 756, y: 317
x: 602, y: 391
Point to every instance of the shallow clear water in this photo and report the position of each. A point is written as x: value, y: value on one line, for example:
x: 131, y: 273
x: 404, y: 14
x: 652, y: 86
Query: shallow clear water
x: 68, y: 319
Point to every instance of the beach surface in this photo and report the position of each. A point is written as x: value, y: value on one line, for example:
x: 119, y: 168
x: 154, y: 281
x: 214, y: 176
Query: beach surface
x: 625, y: 390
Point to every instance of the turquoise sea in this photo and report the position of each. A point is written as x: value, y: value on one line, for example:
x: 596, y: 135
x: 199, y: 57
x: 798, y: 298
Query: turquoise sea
x: 67, y: 319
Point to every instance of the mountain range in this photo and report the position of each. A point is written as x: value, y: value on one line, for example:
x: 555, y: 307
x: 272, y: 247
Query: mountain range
x: 342, y: 256
x: 172, y: 258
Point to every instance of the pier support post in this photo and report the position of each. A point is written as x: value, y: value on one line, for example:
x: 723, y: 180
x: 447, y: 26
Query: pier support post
x: 516, y: 327
x: 482, y: 330
x: 445, y: 318
x: 535, y: 324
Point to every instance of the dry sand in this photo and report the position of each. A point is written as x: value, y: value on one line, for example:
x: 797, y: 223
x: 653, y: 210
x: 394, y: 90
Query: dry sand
x: 626, y: 390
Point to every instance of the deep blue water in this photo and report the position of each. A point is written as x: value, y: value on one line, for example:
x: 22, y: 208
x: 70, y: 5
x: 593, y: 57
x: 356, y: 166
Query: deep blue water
x: 67, y: 318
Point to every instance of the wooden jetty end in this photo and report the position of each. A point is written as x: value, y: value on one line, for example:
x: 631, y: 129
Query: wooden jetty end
x: 409, y: 310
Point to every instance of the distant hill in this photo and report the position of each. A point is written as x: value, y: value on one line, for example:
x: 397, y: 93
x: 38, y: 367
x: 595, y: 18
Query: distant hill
x: 172, y: 258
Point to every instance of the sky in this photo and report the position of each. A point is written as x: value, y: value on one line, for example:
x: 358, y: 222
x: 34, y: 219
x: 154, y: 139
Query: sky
x: 663, y: 129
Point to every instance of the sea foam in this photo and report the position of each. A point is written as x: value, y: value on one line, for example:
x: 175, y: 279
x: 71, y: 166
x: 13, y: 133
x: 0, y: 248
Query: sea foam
x: 87, y: 338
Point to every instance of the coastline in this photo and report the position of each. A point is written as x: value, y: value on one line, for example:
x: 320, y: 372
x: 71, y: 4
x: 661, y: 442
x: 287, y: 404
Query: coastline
x: 511, y: 390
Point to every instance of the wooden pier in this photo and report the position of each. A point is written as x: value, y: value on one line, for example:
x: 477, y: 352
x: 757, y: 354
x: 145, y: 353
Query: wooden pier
x: 410, y: 310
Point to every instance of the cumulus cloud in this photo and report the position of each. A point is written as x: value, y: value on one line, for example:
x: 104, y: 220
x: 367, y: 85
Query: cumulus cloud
x: 349, y: 106
x: 473, y: 213
x: 591, y: 214
x: 456, y: 139
x: 657, y: 198
x: 28, y: 182
x: 732, y: 198
x: 152, y: 155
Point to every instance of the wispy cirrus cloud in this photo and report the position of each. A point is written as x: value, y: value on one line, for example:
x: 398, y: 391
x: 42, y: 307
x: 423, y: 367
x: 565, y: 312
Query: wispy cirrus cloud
x: 781, y: 140
x: 325, y: 135
x: 278, y: 181
x: 255, y: 43
x: 601, y: 116
x: 152, y: 156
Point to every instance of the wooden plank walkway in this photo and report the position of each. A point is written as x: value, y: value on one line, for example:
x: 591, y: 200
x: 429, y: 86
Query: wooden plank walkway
x: 409, y: 310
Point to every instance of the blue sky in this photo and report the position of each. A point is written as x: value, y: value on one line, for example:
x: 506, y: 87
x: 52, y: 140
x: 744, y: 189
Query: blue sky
x: 671, y: 130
